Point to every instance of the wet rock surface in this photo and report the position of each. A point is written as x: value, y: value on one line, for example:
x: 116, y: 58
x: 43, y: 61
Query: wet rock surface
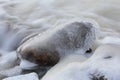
x: 47, y: 48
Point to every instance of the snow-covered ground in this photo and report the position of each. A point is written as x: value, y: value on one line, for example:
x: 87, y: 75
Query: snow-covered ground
x: 21, y: 20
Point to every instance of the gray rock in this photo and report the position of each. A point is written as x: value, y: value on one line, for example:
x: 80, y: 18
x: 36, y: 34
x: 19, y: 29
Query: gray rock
x: 47, y: 48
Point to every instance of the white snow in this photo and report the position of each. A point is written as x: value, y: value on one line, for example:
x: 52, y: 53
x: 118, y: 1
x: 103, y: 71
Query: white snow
x: 31, y: 76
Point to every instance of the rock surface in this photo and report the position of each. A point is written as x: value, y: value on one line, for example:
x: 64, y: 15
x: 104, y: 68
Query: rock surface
x: 47, y: 48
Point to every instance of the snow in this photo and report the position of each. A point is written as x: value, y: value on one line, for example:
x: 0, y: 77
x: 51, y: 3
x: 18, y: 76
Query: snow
x: 31, y: 76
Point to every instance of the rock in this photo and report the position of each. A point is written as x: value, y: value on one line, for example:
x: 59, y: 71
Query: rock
x: 47, y: 48
x: 31, y: 76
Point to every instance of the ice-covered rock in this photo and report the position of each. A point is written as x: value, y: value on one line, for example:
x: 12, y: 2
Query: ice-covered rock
x: 31, y: 76
x: 98, y: 67
x: 48, y: 48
